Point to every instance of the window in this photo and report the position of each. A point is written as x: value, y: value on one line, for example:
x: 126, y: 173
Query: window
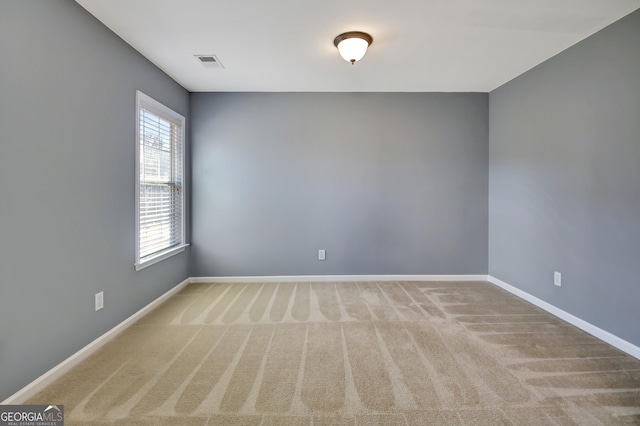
x: 159, y: 182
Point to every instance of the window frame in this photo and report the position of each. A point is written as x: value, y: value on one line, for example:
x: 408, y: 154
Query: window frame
x: 146, y: 102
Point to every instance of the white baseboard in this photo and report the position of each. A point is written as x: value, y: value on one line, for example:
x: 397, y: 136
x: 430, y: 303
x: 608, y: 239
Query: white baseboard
x: 338, y: 278
x: 56, y: 372
x: 601, y: 334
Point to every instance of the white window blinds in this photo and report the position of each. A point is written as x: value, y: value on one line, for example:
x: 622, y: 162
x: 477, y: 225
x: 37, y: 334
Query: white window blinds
x: 160, y: 206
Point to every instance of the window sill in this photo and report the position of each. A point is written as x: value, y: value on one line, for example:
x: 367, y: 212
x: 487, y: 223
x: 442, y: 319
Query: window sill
x: 150, y: 260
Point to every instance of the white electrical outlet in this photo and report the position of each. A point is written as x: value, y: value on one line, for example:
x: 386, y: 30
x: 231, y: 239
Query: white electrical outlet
x: 99, y: 300
x: 322, y: 255
x: 557, y: 279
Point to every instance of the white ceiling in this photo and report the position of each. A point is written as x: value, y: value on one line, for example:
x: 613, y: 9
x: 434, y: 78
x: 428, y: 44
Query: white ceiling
x: 419, y: 45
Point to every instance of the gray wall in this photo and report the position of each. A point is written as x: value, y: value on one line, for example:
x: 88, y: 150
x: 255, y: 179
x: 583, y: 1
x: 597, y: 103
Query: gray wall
x: 565, y: 180
x: 387, y: 183
x: 67, y: 149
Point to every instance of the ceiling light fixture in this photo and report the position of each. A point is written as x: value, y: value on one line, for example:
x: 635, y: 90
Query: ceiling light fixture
x: 353, y: 45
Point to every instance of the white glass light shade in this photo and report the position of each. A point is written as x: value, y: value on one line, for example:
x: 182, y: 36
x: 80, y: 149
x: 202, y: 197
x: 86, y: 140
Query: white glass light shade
x: 353, y: 49
x: 353, y: 45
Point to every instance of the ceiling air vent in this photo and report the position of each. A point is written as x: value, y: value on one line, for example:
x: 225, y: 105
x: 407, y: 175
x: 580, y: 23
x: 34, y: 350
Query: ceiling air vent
x: 210, y: 61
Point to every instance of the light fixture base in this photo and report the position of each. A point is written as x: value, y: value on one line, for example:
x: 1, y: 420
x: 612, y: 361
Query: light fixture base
x: 353, y: 34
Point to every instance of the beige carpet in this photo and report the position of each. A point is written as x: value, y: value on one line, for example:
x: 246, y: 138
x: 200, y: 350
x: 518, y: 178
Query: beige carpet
x: 385, y: 353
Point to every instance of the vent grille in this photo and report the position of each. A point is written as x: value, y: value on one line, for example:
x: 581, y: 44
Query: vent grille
x: 209, y: 61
